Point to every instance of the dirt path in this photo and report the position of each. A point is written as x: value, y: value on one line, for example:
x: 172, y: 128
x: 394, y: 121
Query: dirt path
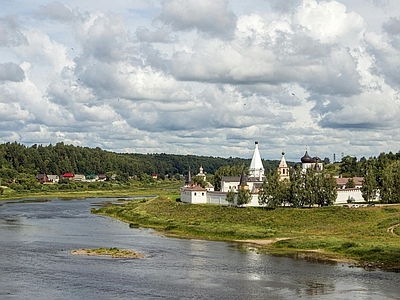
x: 391, y: 229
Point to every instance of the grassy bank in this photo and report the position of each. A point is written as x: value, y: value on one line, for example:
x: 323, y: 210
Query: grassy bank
x: 135, y: 188
x: 362, y: 234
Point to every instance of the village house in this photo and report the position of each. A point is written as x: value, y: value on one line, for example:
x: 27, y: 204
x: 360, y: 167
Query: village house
x: 69, y: 176
x: 53, y: 178
x: 47, y: 179
x: 79, y: 177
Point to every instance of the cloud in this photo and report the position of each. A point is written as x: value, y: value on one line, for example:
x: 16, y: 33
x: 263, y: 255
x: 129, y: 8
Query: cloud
x: 55, y: 11
x: 106, y: 38
x: 10, y: 33
x: 284, y: 6
x: 212, y: 17
x: 13, y: 112
x: 202, y: 77
x: 392, y: 27
x: 160, y: 35
x: 11, y: 72
x: 329, y: 22
x: 271, y: 54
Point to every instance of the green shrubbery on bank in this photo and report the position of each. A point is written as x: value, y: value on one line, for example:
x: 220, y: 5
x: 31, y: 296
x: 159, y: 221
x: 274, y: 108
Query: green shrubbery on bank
x: 93, y: 189
x: 361, y: 234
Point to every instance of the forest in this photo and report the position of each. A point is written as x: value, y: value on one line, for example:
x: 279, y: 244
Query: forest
x: 60, y: 158
x: 19, y: 164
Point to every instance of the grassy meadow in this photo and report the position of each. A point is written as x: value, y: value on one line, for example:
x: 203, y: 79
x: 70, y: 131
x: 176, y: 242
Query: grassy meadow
x: 362, y: 234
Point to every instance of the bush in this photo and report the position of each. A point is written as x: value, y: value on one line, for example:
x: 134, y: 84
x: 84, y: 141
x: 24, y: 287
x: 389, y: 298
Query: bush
x: 348, y: 245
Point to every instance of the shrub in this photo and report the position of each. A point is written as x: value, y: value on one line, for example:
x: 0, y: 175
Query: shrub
x: 348, y: 245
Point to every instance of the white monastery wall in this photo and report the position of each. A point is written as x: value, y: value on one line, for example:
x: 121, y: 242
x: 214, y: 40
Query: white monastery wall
x: 344, y: 194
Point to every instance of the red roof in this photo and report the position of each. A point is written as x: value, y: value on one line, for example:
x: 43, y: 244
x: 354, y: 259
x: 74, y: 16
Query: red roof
x: 342, y: 181
x: 68, y: 175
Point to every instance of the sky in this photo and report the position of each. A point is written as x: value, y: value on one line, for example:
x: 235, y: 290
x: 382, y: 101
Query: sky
x: 206, y: 77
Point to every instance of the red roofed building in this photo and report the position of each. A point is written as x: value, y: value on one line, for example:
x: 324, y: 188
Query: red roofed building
x: 69, y: 176
x: 341, y: 182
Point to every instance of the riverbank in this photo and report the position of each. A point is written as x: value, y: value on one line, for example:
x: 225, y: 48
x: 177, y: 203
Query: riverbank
x: 135, y: 188
x: 332, y: 233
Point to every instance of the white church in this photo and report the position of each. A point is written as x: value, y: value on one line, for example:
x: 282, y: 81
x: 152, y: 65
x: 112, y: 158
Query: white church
x: 195, y: 194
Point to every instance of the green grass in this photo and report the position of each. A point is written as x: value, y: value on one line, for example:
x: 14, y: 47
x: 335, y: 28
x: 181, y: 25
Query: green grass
x: 359, y: 234
x: 135, y: 188
x: 112, y: 252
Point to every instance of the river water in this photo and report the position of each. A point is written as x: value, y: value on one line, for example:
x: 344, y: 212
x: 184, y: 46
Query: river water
x: 35, y: 263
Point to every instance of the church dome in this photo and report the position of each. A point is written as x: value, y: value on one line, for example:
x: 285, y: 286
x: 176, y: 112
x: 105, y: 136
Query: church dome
x: 307, y: 159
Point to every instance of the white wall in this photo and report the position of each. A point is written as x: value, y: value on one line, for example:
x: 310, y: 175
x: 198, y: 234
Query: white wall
x: 218, y: 198
x: 253, y: 201
x: 343, y: 195
x: 225, y: 186
x: 186, y: 196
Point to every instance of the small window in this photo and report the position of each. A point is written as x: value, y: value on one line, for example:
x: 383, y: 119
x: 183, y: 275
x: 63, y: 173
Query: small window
x: 195, y: 193
x: 202, y: 194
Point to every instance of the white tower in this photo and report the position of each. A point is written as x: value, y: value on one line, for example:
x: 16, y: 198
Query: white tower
x: 283, y: 169
x: 256, y: 170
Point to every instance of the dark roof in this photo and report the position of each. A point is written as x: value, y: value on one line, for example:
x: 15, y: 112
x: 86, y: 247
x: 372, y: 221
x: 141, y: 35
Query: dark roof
x: 243, y: 180
x: 307, y: 159
x: 188, y: 177
x: 195, y: 188
x: 231, y: 178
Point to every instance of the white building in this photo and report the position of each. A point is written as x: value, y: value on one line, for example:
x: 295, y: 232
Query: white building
x: 283, y: 169
x: 198, y: 195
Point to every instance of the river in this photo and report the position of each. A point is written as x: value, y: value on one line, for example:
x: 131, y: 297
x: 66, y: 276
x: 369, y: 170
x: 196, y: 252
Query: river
x: 35, y: 263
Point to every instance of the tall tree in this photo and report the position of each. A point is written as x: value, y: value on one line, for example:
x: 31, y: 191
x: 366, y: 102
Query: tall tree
x: 310, y: 195
x: 326, y: 189
x: 273, y: 192
x: 369, y: 187
x: 348, y: 167
x: 350, y: 184
x: 296, y: 188
x: 244, y: 196
x: 230, y: 196
x: 386, y: 192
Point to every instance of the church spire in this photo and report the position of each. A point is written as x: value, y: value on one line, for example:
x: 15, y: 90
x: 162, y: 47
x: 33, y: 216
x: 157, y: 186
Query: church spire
x: 243, y: 180
x: 256, y: 169
x: 283, y: 163
x: 283, y: 169
x: 188, y: 178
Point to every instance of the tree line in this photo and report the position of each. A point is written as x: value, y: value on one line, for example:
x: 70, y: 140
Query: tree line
x: 381, y: 182
x: 381, y: 174
x: 304, y: 189
x: 17, y: 159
